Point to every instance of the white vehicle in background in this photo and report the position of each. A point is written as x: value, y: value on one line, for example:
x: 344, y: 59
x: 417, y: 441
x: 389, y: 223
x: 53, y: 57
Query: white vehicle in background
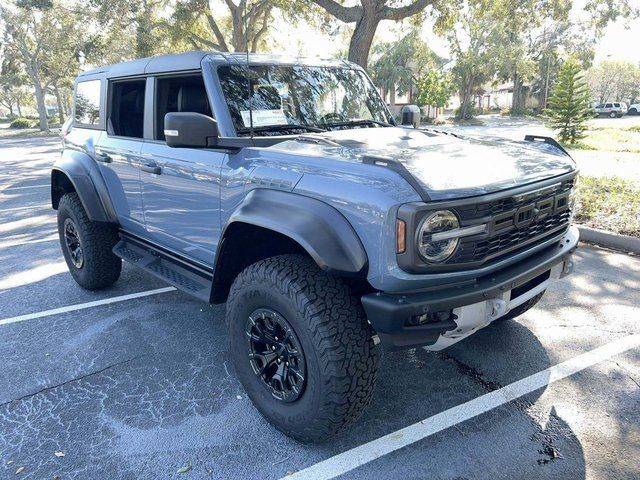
x: 611, y: 109
x: 634, y: 109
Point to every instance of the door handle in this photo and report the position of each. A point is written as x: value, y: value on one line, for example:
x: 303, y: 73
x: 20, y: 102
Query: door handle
x: 103, y: 157
x: 151, y: 168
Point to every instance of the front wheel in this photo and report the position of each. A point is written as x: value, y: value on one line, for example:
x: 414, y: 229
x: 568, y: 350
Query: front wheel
x: 87, y: 245
x: 301, y: 346
x: 613, y: 115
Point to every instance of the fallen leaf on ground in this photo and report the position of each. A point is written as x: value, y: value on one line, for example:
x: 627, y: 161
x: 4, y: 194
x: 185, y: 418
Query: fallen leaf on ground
x: 184, y: 469
x: 19, y: 470
x: 59, y: 454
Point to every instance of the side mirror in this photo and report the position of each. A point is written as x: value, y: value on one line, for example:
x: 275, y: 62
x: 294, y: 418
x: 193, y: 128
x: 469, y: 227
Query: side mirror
x: 411, y: 115
x: 190, y: 129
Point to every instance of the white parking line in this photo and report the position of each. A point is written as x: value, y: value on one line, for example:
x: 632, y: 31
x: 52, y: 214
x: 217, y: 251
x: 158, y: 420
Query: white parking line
x: 358, y: 456
x: 82, y: 306
x: 32, y: 207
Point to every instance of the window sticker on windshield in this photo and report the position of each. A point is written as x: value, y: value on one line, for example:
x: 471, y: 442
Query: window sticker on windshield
x: 262, y: 118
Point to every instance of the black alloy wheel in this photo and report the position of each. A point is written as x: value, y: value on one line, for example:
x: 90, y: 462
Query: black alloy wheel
x: 72, y: 241
x: 275, y: 354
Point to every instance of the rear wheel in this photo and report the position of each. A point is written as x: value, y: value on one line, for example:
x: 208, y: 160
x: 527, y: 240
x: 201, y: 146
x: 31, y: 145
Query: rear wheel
x: 613, y: 115
x: 87, y: 245
x: 520, y: 309
x: 301, y: 346
x: 633, y: 111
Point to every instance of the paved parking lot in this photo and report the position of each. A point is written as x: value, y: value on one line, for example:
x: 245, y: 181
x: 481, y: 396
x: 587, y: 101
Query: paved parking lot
x: 140, y: 386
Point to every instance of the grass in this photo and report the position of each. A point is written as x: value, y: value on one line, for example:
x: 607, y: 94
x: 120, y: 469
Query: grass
x: 609, y: 203
x: 610, y: 139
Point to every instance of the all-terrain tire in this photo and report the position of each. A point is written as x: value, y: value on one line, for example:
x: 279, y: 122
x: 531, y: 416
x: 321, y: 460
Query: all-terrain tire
x: 330, y: 323
x: 99, y: 268
x: 520, y: 309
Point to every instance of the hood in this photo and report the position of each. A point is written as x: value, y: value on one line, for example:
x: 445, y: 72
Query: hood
x: 445, y: 166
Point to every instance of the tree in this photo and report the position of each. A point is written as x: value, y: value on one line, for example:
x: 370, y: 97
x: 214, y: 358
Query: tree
x: 570, y: 103
x: 615, y: 81
x: 399, y: 64
x: 434, y: 89
x: 243, y: 26
x: 13, y: 90
x: 25, y: 34
x: 474, y: 40
x: 366, y: 16
x: 130, y: 28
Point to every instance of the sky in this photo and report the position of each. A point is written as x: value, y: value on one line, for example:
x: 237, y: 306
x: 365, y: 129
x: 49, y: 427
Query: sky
x: 619, y: 40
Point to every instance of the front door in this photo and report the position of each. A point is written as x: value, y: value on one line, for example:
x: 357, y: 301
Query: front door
x: 181, y: 186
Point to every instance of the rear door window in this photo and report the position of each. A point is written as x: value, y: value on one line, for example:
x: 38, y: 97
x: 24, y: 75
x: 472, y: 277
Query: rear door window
x: 87, y: 103
x: 126, y: 109
x: 608, y: 105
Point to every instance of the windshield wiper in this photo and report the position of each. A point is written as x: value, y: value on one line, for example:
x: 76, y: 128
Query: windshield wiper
x: 276, y: 128
x: 358, y: 122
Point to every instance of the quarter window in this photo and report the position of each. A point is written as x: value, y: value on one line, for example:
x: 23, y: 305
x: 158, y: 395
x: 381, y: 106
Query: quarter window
x: 87, y: 102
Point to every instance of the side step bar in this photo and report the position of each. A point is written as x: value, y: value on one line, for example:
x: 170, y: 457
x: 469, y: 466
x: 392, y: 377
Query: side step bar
x: 174, y: 271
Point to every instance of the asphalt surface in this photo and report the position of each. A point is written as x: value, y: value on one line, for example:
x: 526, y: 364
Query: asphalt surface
x: 142, y: 388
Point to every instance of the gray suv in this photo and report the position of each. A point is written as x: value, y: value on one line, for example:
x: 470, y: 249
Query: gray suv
x: 283, y: 187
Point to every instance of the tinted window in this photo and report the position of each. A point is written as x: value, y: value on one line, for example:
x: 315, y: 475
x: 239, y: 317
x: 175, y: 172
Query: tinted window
x: 179, y: 94
x: 608, y: 105
x: 88, y: 102
x: 283, y: 95
x: 616, y: 104
x: 126, y: 111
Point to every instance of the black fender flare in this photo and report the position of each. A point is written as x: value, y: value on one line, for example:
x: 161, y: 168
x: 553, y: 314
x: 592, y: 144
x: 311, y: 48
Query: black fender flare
x: 84, y: 175
x: 321, y: 230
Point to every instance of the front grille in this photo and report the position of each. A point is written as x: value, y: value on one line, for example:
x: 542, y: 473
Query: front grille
x: 503, y: 205
x: 514, y: 222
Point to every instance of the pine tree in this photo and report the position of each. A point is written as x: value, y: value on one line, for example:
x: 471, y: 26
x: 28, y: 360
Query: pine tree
x: 569, y: 107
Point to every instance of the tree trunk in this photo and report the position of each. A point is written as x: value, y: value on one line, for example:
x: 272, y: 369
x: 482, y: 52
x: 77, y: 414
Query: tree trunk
x: 33, y: 68
x: 56, y: 92
x: 362, y: 38
x: 11, y: 109
x: 392, y: 96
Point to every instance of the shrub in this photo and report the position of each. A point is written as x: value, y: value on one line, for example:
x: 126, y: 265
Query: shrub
x: 22, y: 123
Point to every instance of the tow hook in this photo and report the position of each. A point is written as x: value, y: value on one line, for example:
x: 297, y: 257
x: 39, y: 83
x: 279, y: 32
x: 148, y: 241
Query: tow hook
x: 495, y: 308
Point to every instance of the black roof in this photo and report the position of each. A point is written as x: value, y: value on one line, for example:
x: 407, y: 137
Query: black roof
x: 162, y: 63
x: 193, y: 60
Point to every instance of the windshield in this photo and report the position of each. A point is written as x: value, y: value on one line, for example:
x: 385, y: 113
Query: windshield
x: 289, y: 99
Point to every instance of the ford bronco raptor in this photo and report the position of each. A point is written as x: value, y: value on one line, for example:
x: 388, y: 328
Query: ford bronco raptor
x: 283, y: 187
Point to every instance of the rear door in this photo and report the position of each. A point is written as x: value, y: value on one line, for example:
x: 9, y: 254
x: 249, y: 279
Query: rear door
x: 181, y: 186
x: 118, y: 150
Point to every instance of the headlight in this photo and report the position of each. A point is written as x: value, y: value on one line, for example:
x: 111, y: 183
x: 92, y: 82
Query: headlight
x: 430, y: 247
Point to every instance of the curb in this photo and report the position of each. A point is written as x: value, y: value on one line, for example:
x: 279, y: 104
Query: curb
x: 609, y: 239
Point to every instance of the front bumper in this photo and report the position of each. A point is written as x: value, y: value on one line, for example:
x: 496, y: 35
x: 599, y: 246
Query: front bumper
x: 471, y: 304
